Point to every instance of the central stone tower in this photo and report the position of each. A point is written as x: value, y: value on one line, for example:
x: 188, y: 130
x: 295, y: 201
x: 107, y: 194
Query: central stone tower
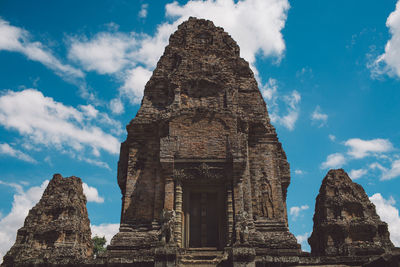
x: 202, y: 168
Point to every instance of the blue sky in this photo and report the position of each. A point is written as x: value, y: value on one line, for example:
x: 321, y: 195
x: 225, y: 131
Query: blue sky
x: 72, y: 75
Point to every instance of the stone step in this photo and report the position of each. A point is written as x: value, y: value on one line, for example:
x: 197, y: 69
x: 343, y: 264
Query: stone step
x: 198, y: 264
x: 265, y: 226
x: 202, y: 258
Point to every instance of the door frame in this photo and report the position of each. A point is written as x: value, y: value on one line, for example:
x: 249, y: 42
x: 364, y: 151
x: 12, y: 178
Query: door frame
x: 221, y: 196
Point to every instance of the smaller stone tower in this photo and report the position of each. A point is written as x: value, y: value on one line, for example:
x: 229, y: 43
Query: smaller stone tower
x: 345, y: 220
x: 56, y: 230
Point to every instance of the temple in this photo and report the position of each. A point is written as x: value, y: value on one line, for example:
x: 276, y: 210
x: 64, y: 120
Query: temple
x: 204, y: 179
x: 202, y: 163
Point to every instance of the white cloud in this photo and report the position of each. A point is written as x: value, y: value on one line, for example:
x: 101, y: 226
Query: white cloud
x: 298, y: 172
x: 15, y: 39
x: 95, y: 162
x: 269, y: 91
x: 271, y: 96
x: 135, y: 81
x: 91, y: 193
x: 116, y: 106
x: 387, y: 173
x: 132, y: 57
x: 10, y: 151
x: 389, y: 62
x: 22, y: 203
x: 105, y: 53
x: 295, y: 211
x: 117, y: 54
x: 50, y: 123
x: 108, y: 230
x: 356, y: 174
x: 359, y: 148
x: 332, y: 137
x: 318, y: 117
x: 390, y: 214
x: 260, y: 21
x: 151, y: 47
x: 292, y: 109
x: 143, y: 11
x: 302, y: 239
x: 290, y: 119
x: 378, y: 166
x: 393, y: 172
x: 335, y: 160
x: 89, y: 111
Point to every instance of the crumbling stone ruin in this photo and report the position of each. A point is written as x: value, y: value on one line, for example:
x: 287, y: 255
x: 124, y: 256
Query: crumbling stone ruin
x: 345, y: 220
x: 204, y: 179
x: 56, y: 230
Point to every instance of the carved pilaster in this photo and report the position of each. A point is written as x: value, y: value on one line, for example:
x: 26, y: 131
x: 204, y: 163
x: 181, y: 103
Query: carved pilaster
x: 178, y: 210
x: 158, y: 196
x: 169, y: 194
x: 229, y: 213
x: 167, y: 172
x: 239, y: 165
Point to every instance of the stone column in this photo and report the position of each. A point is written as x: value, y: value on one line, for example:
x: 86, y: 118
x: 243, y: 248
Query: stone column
x: 158, y: 197
x: 178, y: 210
x: 229, y: 213
x: 247, y: 196
x: 167, y: 176
x: 169, y: 194
x: 238, y: 202
x: 239, y: 166
x: 203, y: 214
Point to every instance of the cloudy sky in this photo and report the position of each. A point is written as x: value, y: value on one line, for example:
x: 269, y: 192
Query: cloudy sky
x: 72, y: 75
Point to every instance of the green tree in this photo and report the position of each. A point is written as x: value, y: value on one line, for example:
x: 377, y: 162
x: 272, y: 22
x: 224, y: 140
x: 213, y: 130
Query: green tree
x: 98, y: 245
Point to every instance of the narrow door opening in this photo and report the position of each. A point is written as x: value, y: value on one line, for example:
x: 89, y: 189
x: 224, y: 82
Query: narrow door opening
x: 204, y: 218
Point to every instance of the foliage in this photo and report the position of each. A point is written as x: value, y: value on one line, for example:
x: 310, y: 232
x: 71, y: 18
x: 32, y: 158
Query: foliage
x: 98, y: 245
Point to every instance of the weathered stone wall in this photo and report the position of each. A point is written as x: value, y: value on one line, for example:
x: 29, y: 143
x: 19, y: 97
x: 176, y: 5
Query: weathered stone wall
x: 345, y: 220
x: 201, y: 107
x: 202, y: 136
x: 57, y: 229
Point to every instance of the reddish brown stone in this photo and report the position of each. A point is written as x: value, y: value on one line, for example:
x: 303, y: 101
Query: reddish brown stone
x: 345, y: 220
x: 204, y: 124
x: 57, y: 229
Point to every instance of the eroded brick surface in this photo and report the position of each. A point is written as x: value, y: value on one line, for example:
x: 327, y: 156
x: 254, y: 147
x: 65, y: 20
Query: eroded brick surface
x: 203, y: 121
x: 57, y: 229
x: 345, y: 220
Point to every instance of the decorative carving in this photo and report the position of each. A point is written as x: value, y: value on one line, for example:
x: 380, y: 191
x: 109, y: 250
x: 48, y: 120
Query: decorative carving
x: 205, y: 170
x: 168, y: 225
x: 267, y: 206
x: 179, y: 174
x: 201, y: 172
x: 242, y: 228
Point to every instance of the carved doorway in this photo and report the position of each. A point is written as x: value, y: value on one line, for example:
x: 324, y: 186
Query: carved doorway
x: 204, y: 217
